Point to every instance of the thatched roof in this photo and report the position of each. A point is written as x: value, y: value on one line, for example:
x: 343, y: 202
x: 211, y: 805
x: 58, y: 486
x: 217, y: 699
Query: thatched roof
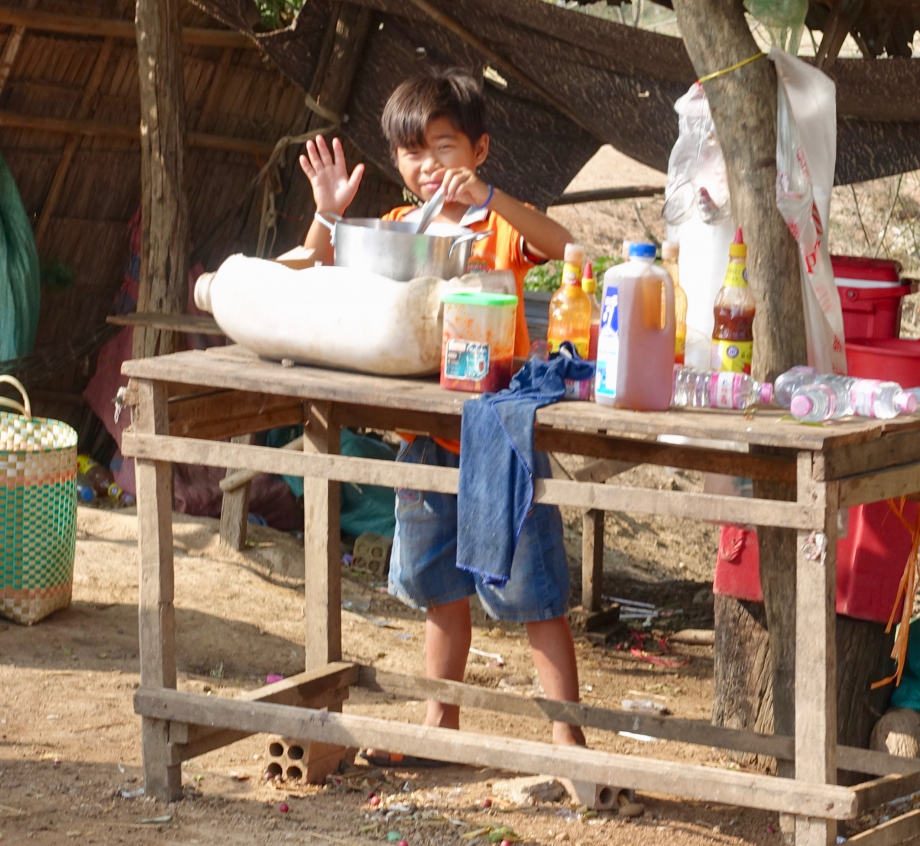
x: 69, y: 117
x: 616, y: 84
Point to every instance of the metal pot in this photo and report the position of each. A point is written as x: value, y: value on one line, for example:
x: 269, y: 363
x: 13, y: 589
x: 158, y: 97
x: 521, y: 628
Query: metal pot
x: 393, y: 248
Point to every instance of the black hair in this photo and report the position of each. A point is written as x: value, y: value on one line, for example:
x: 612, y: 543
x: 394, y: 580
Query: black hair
x: 453, y: 93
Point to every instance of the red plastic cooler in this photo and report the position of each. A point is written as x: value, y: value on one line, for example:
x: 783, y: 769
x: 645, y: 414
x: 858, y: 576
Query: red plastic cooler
x: 870, y: 295
x: 870, y: 562
x: 871, y: 558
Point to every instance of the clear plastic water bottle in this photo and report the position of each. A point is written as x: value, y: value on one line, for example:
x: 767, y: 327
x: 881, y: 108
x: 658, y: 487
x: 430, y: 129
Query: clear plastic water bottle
x: 85, y: 492
x: 787, y: 383
x: 713, y: 389
x: 831, y: 397
x: 818, y: 402
x: 882, y: 400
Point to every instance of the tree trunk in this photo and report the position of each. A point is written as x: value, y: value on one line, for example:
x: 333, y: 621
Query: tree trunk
x: 743, y: 696
x: 743, y: 104
x: 164, y: 211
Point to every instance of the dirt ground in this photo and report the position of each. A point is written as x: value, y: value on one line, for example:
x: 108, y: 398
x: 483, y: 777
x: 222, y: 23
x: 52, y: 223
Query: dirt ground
x: 70, y: 743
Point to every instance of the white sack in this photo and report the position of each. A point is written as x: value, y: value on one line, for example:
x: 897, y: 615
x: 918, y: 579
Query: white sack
x: 334, y: 316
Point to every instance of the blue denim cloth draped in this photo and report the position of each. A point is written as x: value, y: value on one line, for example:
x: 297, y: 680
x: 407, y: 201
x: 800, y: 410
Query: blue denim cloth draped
x: 497, y: 464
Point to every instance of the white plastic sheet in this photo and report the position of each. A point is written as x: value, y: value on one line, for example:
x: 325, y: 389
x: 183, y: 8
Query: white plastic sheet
x: 806, y: 151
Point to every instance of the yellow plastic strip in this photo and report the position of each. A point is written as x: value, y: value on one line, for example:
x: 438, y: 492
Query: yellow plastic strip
x: 734, y: 67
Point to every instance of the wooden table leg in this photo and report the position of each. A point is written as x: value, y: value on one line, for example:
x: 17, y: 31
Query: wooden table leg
x: 323, y: 577
x: 592, y: 559
x: 815, y: 650
x: 156, y: 614
x: 234, y: 508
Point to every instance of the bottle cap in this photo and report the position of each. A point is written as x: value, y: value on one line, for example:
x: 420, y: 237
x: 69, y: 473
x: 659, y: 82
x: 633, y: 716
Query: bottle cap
x: 646, y: 251
x: 588, y: 282
x: 737, y: 248
x: 766, y: 393
x: 801, y: 405
x: 906, y: 402
x: 670, y: 250
x: 574, y: 254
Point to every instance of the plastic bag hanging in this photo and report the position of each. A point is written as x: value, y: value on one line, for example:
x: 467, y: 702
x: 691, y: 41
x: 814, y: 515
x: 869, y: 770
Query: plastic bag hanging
x: 806, y: 136
x: 784, y: 21
x: 696, y: 170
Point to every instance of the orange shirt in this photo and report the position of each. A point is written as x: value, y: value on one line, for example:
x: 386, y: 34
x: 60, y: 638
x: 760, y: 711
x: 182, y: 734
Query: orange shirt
x: 502, y: 250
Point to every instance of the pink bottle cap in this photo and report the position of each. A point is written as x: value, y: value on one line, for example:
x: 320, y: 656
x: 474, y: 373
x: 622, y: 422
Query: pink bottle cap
x: 766, y: 393
x: 801, y: 406
x: 907, y: 403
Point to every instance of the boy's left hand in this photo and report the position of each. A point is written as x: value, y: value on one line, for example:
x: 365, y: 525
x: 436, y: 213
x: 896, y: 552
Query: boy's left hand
x: 462, y: 185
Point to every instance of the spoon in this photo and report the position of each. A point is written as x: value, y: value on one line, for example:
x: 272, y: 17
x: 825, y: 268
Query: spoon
x: 430, y: 210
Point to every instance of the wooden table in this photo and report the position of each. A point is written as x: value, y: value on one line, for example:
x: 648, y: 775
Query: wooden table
x: 184, y: 404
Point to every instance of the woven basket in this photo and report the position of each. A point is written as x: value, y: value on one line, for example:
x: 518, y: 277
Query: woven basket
x: 38, y: 511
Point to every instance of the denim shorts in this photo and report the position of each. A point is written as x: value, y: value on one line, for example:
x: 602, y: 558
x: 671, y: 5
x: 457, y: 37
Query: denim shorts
x: 423, y: 564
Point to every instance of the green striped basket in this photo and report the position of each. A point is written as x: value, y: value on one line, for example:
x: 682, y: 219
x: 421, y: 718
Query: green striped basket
x: 38, y: 511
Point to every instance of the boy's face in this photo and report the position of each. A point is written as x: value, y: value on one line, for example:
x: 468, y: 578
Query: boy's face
x: 445, y: 148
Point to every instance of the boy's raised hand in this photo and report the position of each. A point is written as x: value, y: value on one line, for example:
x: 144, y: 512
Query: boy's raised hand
x: 462, y: 185
x: 333, y: 188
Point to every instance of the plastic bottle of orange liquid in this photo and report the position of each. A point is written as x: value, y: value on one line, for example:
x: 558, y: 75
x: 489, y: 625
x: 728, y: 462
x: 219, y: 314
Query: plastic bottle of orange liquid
x: 570, y: 307
x: 589, y: 286
x: 645, y: 330
x: 670, y: 253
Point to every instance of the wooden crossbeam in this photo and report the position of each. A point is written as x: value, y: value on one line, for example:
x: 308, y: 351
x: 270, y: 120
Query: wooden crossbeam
x: 318, y: 689
x: 696, y: 732
x: 445, y: 480
x: 597, y: 195
x: 695, y: 782
x: 107, y: 28
x: 93, y: 128
x: 891, y: 833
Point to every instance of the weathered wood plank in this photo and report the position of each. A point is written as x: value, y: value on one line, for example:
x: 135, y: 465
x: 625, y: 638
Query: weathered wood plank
x: 184, y: 323
x: 815, y: 645
x: 112, y: 28
x: 891, y: 833
x: 698, y: 732
x: 225, y: 414
x: 156, y: 613
x: 592, y: 559
x: 324, y: 688
x: 231, y: 367
x: 234, y: 506
x: 880, y: 484
x: 713, y: 507
x: 238, y: 478
x: 894, y: 448
x: 323, y: 560
x: 669, y: 777
x: 870, y: 794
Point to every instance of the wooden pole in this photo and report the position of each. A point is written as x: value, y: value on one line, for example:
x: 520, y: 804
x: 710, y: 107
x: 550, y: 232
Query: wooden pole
x: 743, y: 104
x: 164, y: 211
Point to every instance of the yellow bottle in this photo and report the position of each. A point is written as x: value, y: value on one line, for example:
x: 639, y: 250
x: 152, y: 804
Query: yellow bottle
x: 670, y: 252
x: 570, y: 307
x: 589, y: 286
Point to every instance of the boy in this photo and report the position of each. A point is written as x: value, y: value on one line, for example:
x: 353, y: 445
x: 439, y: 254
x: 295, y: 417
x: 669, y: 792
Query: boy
x: 435, y: 125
